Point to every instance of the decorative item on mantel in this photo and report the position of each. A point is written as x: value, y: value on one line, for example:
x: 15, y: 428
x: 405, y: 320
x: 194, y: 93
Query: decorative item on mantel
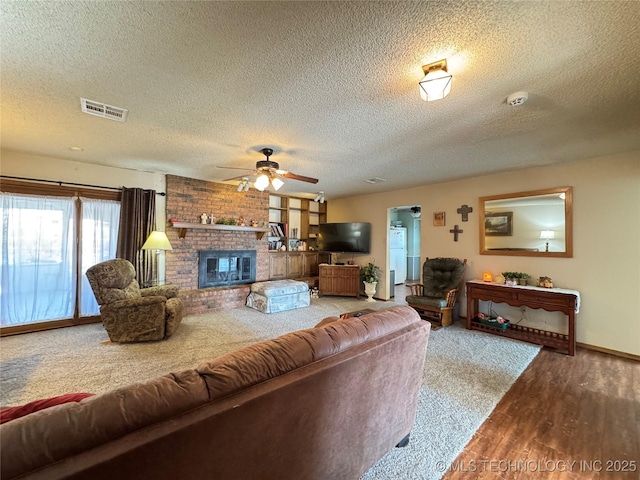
x: 203, y: 218
x: 486, y: 276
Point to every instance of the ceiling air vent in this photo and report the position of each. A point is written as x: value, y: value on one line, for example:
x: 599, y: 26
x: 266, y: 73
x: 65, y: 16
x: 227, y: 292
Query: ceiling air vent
x: 375, y: 180
x: 103, y: 110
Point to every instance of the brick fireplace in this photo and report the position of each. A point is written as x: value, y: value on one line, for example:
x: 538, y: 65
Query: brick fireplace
x: 187, y: 200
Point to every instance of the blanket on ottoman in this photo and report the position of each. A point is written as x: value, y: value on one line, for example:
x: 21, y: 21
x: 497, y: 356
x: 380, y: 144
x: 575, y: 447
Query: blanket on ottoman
x: 278, y: 296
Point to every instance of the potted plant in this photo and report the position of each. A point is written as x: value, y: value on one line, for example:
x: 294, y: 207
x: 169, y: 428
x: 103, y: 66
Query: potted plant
x: 510, y: 278
x: 522, y: 278
x: 370, y: 276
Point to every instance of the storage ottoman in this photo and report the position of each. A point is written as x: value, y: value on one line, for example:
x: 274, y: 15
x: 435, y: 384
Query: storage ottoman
x: 278, y: 296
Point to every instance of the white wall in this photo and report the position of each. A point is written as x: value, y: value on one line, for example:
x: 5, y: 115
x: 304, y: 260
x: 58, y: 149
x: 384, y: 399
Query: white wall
x: 605, y: 268
x: 48, y: 168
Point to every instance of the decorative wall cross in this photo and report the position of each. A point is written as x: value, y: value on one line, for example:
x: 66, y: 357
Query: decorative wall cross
x: 465, y: 210
x: 455, y: 232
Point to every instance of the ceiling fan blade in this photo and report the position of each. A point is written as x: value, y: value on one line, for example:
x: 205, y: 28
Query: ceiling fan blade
x: 237, y: 178
x: 302, y: 178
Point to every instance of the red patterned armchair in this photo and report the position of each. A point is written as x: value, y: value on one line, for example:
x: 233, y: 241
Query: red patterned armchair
x: 129, y: 313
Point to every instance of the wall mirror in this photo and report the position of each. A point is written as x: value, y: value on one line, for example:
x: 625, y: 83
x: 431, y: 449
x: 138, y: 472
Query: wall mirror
x: 538, y: 223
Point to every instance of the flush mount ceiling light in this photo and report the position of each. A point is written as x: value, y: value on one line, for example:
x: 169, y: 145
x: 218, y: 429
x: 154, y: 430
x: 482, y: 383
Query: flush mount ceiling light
x: 436, y: 83
x: 319, y: 197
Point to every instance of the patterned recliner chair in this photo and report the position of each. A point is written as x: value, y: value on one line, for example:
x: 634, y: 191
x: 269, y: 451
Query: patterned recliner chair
x: 129, y: 313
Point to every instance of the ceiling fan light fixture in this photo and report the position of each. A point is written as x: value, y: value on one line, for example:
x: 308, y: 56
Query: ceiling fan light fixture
x: 261, y: 182
x: 244, y: 185
x: 436, y: 83
x: 277, y: 183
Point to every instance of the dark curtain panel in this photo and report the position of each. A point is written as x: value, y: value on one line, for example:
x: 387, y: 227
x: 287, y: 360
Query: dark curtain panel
x: 137, y: 221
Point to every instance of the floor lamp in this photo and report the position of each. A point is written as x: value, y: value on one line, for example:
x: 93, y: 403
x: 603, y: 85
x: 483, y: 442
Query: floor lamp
x: 156, y: 241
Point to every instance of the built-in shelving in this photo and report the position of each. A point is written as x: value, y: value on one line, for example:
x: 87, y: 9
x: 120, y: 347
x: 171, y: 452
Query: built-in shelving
x: 184, y: 226
x: 294, y: 222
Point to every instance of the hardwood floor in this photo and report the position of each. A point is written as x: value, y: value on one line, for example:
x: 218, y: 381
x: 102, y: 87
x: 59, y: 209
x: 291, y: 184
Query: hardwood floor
x: 564, y: 418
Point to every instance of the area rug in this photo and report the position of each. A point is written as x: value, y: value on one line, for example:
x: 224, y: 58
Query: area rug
x: 466, y: 372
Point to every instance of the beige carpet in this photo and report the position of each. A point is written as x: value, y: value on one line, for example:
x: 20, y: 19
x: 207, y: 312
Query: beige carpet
x: 466, y: 373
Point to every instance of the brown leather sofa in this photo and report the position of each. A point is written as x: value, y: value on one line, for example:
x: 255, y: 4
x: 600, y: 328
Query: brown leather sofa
x: 322, y: 403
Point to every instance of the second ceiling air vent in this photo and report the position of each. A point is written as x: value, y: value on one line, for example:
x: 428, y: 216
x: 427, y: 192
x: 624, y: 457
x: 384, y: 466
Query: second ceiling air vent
x: 103, y: 110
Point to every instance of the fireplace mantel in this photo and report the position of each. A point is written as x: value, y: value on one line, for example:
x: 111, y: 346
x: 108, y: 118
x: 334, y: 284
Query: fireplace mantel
x: 183, y: 226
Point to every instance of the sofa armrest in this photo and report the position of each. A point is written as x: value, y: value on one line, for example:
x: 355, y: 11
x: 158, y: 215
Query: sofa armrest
x: 167, y: 291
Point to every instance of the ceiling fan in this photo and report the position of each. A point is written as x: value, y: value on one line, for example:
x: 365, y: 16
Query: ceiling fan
x: 268, y: 171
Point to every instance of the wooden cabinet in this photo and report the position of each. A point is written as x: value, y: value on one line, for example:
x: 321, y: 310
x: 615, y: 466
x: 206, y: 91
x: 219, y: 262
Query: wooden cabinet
x: 339, y: 280
x: 309, y: 264
x: 294, y: 265
x: 551, y: 300
x: 277, y: 266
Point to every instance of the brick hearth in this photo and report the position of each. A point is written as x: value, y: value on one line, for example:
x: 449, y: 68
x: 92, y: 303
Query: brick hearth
x: 189, y: 198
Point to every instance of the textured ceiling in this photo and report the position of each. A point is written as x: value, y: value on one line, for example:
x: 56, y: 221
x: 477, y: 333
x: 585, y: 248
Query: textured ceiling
x: 332, y: 87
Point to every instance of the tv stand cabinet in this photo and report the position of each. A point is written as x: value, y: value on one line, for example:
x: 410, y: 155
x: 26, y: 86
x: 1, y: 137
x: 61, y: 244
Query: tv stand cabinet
x: 551, y: 300
x: 341, y: 280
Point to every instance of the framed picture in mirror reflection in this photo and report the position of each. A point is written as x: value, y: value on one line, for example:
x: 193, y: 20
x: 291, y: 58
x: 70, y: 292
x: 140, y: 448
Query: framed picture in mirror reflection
x: 498, y: 224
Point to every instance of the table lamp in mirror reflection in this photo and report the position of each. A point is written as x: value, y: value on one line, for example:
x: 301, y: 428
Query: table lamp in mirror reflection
x: 547, y: 235
x: 156, y: 241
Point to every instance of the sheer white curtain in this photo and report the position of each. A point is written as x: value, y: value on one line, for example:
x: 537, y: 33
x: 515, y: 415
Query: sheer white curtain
x: 100, y: 219
x: 37, y: 269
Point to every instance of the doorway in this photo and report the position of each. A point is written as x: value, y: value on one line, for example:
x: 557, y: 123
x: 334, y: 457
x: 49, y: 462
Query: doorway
x: 404, y: 247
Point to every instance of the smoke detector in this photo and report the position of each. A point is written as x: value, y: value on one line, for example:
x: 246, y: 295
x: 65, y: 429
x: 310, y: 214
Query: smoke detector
x: 103, y: 110
x: 517, y: 98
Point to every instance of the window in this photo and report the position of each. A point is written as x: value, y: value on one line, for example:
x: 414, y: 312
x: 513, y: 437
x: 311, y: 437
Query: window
x: 47, y: 245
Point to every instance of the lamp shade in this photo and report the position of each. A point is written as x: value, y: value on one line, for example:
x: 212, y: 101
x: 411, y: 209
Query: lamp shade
x: 547, y: 234
x: 277, y: 183
x: 436, y: 83
x: 157, y: 241
x: 435, y: 86
x: 261, y: 182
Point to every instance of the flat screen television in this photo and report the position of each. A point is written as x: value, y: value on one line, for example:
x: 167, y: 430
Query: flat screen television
x: 344, y: 237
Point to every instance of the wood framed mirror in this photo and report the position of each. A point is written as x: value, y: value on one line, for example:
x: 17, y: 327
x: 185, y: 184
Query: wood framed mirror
x: 538, y: 223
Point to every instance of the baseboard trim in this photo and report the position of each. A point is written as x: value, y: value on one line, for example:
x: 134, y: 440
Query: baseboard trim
x: 616, y: 353
x: 595, y: 348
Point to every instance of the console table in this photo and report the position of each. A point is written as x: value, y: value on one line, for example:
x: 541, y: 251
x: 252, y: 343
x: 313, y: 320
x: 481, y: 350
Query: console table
x: 549, y: 299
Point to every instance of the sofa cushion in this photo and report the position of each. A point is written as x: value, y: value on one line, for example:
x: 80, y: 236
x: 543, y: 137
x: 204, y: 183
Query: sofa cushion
x: 257, y: 363
x: 437, y: 302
